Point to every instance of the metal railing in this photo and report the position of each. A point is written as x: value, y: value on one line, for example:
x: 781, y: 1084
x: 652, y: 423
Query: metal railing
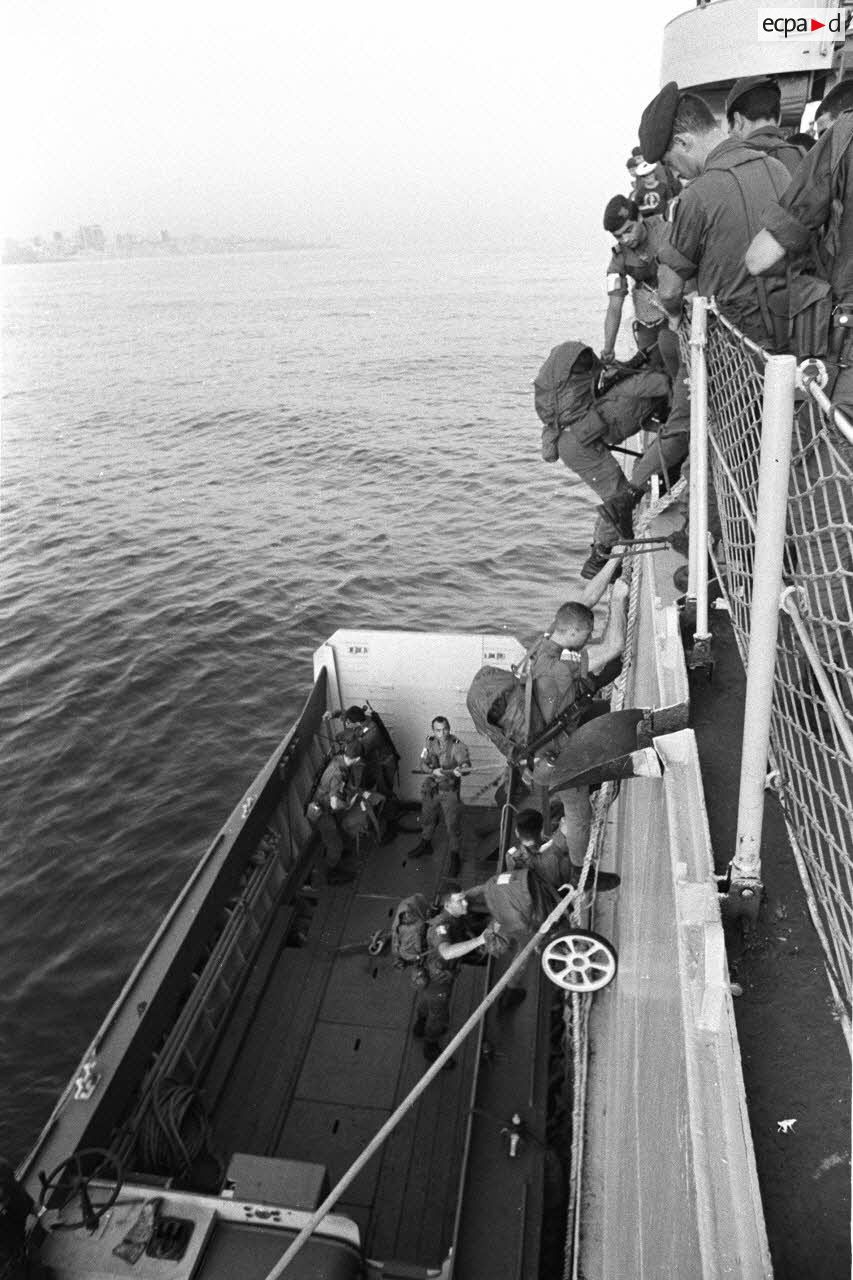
x: 782, y: 466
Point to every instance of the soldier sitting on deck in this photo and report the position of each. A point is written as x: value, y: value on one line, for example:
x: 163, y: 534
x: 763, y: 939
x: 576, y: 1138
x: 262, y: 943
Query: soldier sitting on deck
x: 342, y: 810
x: 380, y: 758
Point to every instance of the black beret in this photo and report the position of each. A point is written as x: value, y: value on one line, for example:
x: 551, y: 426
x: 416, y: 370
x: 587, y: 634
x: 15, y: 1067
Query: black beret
x: 741, y: 88
x: 618, y: 210
x: 839, y: 98
x: 657, y: 121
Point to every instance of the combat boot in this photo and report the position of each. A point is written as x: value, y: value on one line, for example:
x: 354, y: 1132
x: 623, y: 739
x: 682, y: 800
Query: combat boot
x: 620, y: 511
x: 598, y: 556
x: 432, y: 1049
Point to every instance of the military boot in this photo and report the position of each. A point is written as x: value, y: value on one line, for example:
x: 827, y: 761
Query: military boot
x: 620, y: 511
x: 598, y: 556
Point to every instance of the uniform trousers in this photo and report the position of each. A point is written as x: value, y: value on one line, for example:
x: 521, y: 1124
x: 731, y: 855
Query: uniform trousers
x: 432, y: 806
x: 433, y: 1007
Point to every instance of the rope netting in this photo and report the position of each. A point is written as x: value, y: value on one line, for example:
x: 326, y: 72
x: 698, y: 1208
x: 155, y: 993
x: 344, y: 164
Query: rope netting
x: 812, y: 719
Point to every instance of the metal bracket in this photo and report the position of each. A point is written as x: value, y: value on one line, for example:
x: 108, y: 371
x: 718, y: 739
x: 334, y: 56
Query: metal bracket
x: 700, y: 656
x: 743, y: 900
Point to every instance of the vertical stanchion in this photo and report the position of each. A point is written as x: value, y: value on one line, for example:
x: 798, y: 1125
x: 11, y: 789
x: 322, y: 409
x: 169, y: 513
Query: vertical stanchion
x: 774, y: 467
x: 697, y: 586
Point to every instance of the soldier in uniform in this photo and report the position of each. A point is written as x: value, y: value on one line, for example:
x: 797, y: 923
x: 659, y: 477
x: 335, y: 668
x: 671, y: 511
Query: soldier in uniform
x: 584, y: 424
x: 753, y: 110
x: 447, y: 940
x: 635, y: 258
x: 557, y: 682
x: 380, y: 759
x: 717, y: 214
x: 815, y: 214
x: 341, y: 809
x: 445, y: 759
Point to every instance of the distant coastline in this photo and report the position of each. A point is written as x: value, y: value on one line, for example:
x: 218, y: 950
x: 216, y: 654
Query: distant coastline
x: 90, y: 243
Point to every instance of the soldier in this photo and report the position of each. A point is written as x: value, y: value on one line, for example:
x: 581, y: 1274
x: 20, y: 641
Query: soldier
x: 558, y: 681
x: 635, y: 258
x: 753, y: 110
x: 445, y: 758
x: 379, y: 755
x: 447, y: 941
x: 341, y: 810
x: 582, y: 424
x: 815, y: 215
x: 816, y: 212
x: 717, y: 214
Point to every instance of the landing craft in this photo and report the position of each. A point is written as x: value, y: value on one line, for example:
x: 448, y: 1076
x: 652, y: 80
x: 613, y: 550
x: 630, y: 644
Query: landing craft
x: 262, y: 1045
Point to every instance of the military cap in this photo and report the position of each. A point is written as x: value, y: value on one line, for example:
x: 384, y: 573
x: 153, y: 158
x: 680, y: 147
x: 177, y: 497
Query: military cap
x: 618, y: 210
x: 741, y: 88
x: 657, y: 121
x: 645, y: 167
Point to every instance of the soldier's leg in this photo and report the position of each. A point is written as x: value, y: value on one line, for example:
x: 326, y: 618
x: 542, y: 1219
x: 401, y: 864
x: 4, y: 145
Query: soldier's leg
x: 452, y: 808
x: 430, y: 810
x: 331, y: 837
x: 437, y: 1001
x: 672, y: 443
x: 594, y: 463
x: 576, y: 823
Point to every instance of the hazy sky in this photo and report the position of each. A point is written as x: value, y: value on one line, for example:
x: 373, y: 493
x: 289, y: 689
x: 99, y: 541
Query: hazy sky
x: 367, y: 122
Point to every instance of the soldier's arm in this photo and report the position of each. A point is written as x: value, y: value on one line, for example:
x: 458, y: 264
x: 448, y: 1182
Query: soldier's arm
x: 461, y: 759
x: 803, y: 208
x: 612, y: 321
x: 596, y: 587
x: 613, y: 641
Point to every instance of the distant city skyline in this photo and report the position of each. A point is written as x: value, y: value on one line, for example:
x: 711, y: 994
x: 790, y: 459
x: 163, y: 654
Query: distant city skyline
x: 374, y: 123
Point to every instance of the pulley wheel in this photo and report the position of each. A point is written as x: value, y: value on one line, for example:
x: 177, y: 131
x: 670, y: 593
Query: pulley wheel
x: 580, y: 961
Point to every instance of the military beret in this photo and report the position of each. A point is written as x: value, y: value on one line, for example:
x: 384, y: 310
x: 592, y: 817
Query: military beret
x: 637, y: 153
x: 741, y: 88
x: 657, y: 121
x: 618, y: 210
x: 839, y: 98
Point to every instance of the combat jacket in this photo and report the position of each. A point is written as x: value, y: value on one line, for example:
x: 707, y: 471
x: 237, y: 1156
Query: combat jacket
x: 546, y: 862
x: 641, y: 265
x: 451, y: 754
x: 339, y: 783
x: 817, y: 208
x: 772, y: 141
x: 442, y: 928
x: 556, y: 680
x: 712, y: 224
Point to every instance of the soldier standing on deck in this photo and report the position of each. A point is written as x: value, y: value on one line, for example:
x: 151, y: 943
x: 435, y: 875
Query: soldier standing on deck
x: 445, y: 758
x: 717, y: 214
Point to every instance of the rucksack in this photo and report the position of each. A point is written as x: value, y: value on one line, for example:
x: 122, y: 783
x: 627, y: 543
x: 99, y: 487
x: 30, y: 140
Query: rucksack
x: 497, y: 703
x: 561, y: 396
x: 409, y: 930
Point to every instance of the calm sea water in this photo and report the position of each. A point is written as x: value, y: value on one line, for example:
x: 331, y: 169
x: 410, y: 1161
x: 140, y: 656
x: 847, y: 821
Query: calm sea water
x: 208, y: 464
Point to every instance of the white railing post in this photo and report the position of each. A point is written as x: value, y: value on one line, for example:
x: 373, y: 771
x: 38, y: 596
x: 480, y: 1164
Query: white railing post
x: 774, y: 467
x: 697, y: 581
